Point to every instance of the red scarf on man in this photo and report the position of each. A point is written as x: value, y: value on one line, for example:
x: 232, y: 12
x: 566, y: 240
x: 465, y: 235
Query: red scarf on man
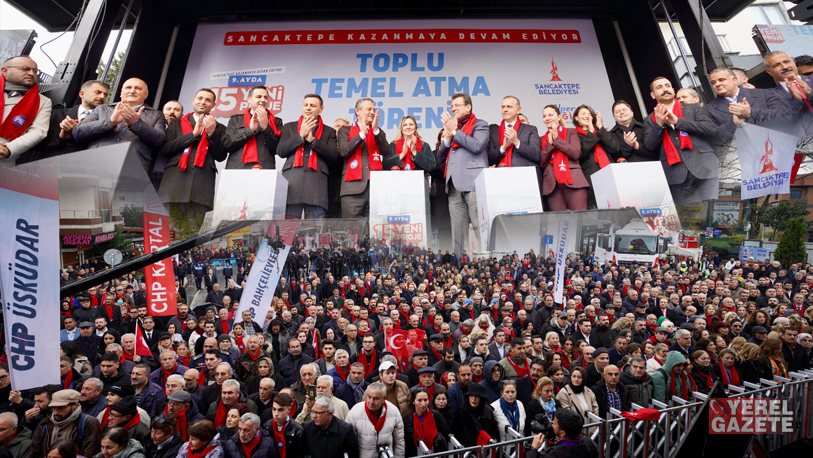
x: 105, y: 417
x: 299, y: 159
x: 369, y: 363
x: 67, y: 384
x: 672, y: 154
x: 255, y: 355
x: 250, y: 153
x: 735, y: 376
x: 598, y: 153
x: 342, y: 373
x: 506, y: 160
x: 22, y: 114
x: 109, y: 310
x: 425, y: 430
x: 521, y: 371
x: 279, y: 437
x: 466, y: 124
x: 355, y: 165
x: 127, y: 356
x: 167, y: 373
x: 562, y: 170
x: 202, y: 377
x: 437, y: 355
x: 133, y: 421
x: 408, y: 163
x: 378, y: 423
x: 202, y: 453
x: 181, y: 423
x: 248, y: 448
x: 200, y: 152
x: 225, y: 326
x: 220, y: 415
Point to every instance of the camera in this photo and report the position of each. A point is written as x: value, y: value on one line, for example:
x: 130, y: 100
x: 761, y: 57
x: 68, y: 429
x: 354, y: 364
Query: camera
x: 542, y: 424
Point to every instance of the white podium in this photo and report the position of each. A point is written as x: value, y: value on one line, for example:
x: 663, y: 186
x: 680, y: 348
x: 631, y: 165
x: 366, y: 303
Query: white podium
x: 241, y: 193
x: 505, y: 191
x: 398, y: 207
x: 640, y: 185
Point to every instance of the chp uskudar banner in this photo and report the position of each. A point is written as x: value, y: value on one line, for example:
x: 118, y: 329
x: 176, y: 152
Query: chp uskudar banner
x: 265, y: 272
x: 29, y: 247
x: 766, y: 159
x: 567, y: 226
x: 160, y: 276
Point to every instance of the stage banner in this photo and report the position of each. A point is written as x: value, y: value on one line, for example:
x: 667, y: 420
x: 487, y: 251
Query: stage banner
x: 398, y: 207
x: 504, y: 191
x: 267, y: 268
x: 402, y: 344
x: 160, y: 276
x: 568, y: 225
x: 766, y: 159
x: 240, y: 193
x: 29, y: 247
x: 409, y: 67
x: 752, y: 253
x: 642, y: 186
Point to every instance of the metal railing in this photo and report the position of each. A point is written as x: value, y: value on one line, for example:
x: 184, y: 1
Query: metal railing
x: 617, y: 437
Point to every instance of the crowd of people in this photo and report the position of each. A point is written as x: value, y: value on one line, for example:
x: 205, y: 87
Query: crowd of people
x: 315, y: 377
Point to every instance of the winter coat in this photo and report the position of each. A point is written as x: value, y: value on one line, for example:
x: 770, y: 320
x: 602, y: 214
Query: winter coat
x: 602, y: 399
x: 21, y: 444
x: 567, y: 398
x: 401, y: 393
x: 266, y: 448
x: 440, y: 444
x: 638, y: 391
x: 392, y: 433
x: 502, y: 419
x: 169, y: 450
x: 133, y: 449
x: 331, y: 442
x: 294, y: 438
x: 216, y: 452
x: 91, y: 435
x: 468, y: 422
x: 153, y: 399
x: 661, y: 378
x: 492, y: 387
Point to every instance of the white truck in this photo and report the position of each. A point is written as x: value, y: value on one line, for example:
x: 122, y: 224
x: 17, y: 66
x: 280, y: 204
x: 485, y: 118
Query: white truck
x: 637, y: 243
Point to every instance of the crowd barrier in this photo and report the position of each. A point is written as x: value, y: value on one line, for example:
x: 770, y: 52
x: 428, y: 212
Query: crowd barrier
x: 617, y: 437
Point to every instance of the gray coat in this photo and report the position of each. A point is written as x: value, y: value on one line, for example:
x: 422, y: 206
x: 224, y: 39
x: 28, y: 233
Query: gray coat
x: 700, y: 161
x: 348, y: 146
x: 765, y: 105
x: 147, y: 135
x: 527, y: 155
x: 306, y: 186
x: 197, y: 184
x: 638, y: 391
x: 465, y: 162
x: 237, y: 135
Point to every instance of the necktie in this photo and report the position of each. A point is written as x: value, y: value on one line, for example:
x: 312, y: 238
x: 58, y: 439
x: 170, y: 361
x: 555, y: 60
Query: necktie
x: 83, y: 114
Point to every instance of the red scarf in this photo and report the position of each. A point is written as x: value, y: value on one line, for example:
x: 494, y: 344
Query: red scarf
x: 466, y: 124
x: 521, y: 371
x: 425, y: 430
x: 109, y: 310
x: 133, y: 421
x: 202, y: 453
x: 167, y: 373
x: 561, y: 171
x: 220, y: 415
x: 342, y: 373
x: 255, y: 355
x: 448, y: 342
x: 200, y: 152
x: 67, y: 384
x: 378, y: 423
x: 672, y: 155
x: 248, y: 448
x: 355, y: 166
x: 598, y: 153
x: 225, y: 326
x: 22, y: 114
x: 735, y: 377
x: 708, y: 376
x: 408, y: 163
x: 105, y: 417
x: 437, y: 355
x: 250, y: 153
x: 430, y: 390
x: 299, y: 159
x: 369, y: 364
x: 127, y: 356
x: 659, y: 360
x: 315, y: 343
x: 685, y: 384
x: 279, y: 433
x: 476, y: 378
x: 186, y: 360
x: 506, y: 160
x: 8, y: 441
x: 240, y: 345
x: 181, y: 423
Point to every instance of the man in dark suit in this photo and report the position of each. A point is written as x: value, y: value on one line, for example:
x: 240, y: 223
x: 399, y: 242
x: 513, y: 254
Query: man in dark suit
x: 464, y: 151
x: 181, y: 290
x: 790, y: 87
x: 210, y: 279
x: 681, y: 135
x: 309, y: 147
x: 252, y: 136
x: 519, y: 144
x: 362, y: 147
x: 130, y: 120
x: 215, y: 296
x: 630, y: 135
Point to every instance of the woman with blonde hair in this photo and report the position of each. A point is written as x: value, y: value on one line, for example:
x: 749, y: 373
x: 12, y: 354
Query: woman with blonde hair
x: 771, y: 359
x: 622, y: 323
x: 408, y: 150
x: 737, y: 343
x: 543, y: 400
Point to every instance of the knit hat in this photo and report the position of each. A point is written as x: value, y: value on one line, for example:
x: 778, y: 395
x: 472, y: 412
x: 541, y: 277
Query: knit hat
x: 599, y: 351
x: 126, y: 406
x: 122, y: 391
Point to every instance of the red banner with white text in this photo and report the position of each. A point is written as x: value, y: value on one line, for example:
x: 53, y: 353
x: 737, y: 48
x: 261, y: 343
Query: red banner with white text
x: 160, y: 276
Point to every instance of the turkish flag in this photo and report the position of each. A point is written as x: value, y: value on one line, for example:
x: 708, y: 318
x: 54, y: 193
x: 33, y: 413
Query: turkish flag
x: 141, y: 347
x: 402, y: 344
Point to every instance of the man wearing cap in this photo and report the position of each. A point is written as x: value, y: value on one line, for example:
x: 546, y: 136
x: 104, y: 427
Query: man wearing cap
x: 759, y: 334
x: 149, y: 395
x: 88, y: 342
x: 116, y: 394
x: 595, y: 371
x: 180, y: 406
x: 84, y: 312
x: 228, y: 353
x: 68, y: 423
x: 397, y: 391
x: 435, y: 348
x: 420, y: 359
x: 515, y: 365
x: 426, y: 379
x: 124, y: 414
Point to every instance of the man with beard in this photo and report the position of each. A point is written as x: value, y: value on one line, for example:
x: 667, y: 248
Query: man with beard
x: 172, y: 110
x: 149, y: 396
x: 25, y: 118
x: 60, y: 132
x: 458, y: 391
x: 290, y: 365
x: 447, y: 363
x: 526, y: 385
x: 248, y: 363
x: 67, y: 422
x: 602, y: 335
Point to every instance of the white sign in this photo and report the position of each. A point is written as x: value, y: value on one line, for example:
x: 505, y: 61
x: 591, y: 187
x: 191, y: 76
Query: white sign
x: 505, y: 191
x: 240, y: 193
x: 568, y: 224
x: 642, y: 186
x: 29, y: 247
x: 410, y: 67
x: 398, y: 207
x: 766, y: 158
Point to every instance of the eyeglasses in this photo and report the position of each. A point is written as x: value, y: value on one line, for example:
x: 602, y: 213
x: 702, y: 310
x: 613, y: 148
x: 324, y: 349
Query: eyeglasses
x: 23, y: 69
x: 319, y: 412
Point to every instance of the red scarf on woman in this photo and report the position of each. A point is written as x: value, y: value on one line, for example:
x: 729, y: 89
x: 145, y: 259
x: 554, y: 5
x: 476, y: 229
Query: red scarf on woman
x: 378, y: 423
x: 369, y: 363
x: 506, y: 160
x: 425, y: 430
x: 735, y: 376
x: 561, y: 167
x: 22, y: 114
x: 672, y: 154
x: 355, y: 165
x: 685, y: 385
x: 200, y: 152
x: 598, y: 153
x: 408, y: 163
x: 299, y: 159
x: 202, y: 453
x: 466, y: 124
x: 240, y: 345
x: 250, y: 150
x: 248, y: 448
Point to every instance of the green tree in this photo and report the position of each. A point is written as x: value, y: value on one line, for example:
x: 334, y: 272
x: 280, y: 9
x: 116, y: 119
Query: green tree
x: 791, y: 247
x: 133, y: 216
x: 776, y: 215
x: 115, y: 66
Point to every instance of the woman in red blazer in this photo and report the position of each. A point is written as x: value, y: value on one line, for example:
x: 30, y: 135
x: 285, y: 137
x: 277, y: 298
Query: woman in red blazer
x: 563, y: 182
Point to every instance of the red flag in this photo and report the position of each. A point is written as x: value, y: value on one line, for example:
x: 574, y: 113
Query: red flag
x: 402, y: 344
x: 141, y: 348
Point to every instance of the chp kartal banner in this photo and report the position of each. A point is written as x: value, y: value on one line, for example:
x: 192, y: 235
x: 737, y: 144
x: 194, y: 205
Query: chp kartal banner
x: 408, y: 67
x: 29, y: 247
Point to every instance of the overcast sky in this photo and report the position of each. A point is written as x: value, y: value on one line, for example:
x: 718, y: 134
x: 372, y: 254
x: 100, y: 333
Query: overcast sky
x: 12, y: 19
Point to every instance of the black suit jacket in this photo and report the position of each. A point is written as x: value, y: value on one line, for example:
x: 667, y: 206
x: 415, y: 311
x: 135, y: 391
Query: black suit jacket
x: 642, y: 154
x: 53, y: 145
x: 529, y: 152
x: 237, y: 135
x: 589, y: 142
x: 307, y: 186
x: 765, y: 105
x: 347, y: 147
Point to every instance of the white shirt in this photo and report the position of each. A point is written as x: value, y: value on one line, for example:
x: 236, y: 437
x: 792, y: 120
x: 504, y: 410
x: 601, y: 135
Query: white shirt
x: 70, y: 333
x: 510, y: 125
x: 83, y: 113
x: 363, y: 131
x: 733, y: 99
